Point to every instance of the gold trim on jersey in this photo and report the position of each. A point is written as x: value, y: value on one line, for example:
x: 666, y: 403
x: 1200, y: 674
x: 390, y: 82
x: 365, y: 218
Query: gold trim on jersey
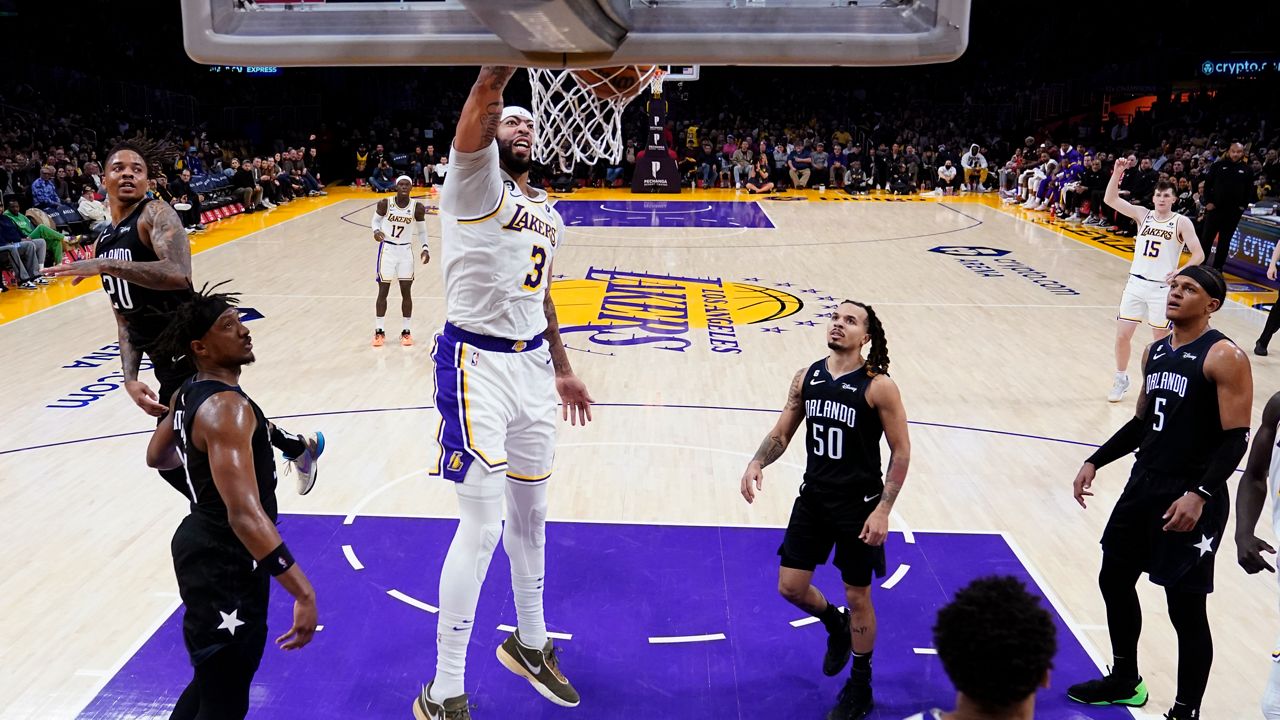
x: 471, y: 221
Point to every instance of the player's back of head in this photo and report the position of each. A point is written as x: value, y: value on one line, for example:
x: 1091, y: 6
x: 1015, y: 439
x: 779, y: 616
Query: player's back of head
x: 996, y: 642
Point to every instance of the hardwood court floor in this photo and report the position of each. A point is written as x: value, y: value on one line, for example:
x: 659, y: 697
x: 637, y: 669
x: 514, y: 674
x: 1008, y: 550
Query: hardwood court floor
x: 1000, y: 335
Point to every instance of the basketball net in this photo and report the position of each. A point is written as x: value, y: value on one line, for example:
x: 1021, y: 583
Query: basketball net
x: 573, y: 124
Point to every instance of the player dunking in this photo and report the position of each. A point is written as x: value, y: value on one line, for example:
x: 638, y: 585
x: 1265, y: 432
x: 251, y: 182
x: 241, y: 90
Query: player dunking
x: 1190, y: 429
x: 499, y: 363
x: 391, y: 222
x: 847, y: 403
x: 1157, y: 250
x: 1261, y: 475
x: 227, y: 549
x: 144, y: 260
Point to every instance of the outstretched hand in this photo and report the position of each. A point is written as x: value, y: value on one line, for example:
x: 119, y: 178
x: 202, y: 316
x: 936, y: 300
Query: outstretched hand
x: 79, y: 270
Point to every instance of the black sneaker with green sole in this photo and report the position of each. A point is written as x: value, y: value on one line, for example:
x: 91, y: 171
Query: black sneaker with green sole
x: 1110, y: 690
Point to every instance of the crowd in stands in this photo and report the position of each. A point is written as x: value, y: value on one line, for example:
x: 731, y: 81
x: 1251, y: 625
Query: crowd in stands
x: 832, y: 137
x: 51, y: 179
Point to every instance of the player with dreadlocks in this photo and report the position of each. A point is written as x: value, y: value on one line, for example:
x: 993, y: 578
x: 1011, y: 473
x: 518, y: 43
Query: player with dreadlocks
x: 144, y: 260
x: 227, y: 549
x: 848, y: 403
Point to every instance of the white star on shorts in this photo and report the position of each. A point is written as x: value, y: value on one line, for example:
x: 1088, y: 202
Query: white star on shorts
x: 1205, y: 545
x: 230, y: 622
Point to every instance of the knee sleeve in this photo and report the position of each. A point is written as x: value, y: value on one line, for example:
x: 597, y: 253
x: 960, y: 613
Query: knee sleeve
x: 526, y: 536
x: 480, y: 520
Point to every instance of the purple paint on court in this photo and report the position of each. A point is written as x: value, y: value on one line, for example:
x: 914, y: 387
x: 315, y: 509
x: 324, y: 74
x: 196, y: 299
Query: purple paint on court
x: 662, y: 213
x: 613, y: 587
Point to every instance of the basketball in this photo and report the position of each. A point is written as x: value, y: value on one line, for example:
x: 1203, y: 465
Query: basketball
x: 619, y: 81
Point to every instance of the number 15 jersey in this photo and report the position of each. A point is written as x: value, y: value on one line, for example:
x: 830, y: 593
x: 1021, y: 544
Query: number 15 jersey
x: 498, y: 246
x: 842, y: 431
x: 1157, y: 249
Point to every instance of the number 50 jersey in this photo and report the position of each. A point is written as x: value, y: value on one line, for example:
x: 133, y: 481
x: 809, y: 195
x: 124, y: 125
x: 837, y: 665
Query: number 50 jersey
x: 842, y: 430
x: 498, y: 246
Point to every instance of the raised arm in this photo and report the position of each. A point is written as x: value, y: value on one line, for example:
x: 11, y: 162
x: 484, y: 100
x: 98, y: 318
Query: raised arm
x: 1111, y: 195
x: 883, y: 395
x: 1252, y: 493
x: 775, y: 443
x: 478, y: 123
x: 224, y: 426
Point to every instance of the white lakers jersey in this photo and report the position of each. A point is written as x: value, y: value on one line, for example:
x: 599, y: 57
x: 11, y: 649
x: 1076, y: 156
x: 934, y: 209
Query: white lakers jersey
x: 399, y: 221
x: 1157, y: 250
x: 498, y: 246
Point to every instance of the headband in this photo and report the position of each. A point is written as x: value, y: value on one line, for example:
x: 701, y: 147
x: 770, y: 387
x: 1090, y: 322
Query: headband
x: 516, y: 111
x: 1210, y: 280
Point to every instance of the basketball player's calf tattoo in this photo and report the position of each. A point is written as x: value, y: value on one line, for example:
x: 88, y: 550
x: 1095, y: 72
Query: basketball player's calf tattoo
x: 861, y: 630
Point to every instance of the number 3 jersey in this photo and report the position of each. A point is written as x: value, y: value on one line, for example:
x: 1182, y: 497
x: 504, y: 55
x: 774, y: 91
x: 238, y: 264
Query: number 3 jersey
x: 146, y: 311
x: 1181, y: 417
x: 498, y: 244
x: 842, y: 431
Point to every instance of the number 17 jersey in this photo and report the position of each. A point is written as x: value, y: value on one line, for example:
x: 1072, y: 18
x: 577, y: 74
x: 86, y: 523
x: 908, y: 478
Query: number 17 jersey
x: 842, y: 431
x: 498, y: 244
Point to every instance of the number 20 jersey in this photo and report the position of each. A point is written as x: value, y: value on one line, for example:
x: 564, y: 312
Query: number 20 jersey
x: 498, y: 244
x: 843, y: 431
x: 146, y: 311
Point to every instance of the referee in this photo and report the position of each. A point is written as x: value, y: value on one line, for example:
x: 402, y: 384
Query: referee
x: 227, y: 549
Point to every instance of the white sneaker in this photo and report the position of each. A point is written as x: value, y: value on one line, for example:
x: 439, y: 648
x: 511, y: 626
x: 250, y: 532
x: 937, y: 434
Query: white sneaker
x: 1118, y: 388
x: 737, y: 186
x: 1042, y: 205
x: 305, y: 464
x: 1030, y: 204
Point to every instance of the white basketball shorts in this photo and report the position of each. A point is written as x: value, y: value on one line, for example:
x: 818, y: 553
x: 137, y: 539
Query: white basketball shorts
x: 395, y: 262
x: 1144, y: 301
x: 497, y: 401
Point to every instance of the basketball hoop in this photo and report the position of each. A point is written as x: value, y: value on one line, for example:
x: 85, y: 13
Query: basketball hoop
x: 578, y: 113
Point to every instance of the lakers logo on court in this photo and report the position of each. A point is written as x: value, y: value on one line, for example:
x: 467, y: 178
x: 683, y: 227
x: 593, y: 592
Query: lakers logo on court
x: 619, y: 308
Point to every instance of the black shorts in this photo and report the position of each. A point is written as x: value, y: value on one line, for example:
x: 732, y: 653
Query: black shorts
x: 1176, y: 560
x: 224, y: 594
x: 171, y: 375
x: 821, y: 519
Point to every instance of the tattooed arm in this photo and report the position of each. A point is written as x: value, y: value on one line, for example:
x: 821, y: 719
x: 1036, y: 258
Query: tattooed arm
x: 884, y: 397
x: 478, y: 123
x: 130, y: 360
x: 160, y: 227
x: 775, y: 443
x: 575, y: 401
